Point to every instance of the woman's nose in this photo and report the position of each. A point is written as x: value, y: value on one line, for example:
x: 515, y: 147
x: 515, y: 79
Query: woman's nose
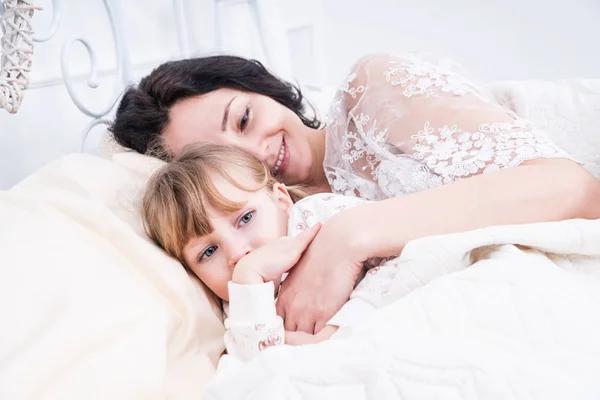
x: 261, y: 143
x: 259, y: 148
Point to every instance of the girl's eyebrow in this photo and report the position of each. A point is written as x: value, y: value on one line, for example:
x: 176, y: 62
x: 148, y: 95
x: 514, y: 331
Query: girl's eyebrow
x: 199, y: 244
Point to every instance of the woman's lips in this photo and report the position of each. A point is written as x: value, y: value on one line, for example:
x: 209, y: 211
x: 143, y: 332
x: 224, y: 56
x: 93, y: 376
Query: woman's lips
x: 283, y: 158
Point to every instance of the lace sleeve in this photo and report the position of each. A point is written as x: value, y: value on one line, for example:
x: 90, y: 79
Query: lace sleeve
x: 400, y: 124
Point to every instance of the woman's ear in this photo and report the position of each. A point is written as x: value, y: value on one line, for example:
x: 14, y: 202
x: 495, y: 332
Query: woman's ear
x: 282, y: 197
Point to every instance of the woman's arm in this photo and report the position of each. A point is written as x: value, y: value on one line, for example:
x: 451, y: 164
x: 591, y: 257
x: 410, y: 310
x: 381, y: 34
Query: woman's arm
x: 541, y: 190
x: 536, y: 191
x: 398, y: 110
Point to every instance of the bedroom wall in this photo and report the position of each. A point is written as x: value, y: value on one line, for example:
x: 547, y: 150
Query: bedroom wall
x: 496, y: 40
x: 508, y: 39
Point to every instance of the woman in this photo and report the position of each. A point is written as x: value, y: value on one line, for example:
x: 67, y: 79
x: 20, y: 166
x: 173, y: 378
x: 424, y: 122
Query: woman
x: 412, y: 133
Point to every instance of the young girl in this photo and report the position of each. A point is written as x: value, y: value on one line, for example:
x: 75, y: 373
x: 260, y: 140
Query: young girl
x: 221, y: 213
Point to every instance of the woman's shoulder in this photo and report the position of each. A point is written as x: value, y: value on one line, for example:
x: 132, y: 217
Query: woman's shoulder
x: 380, y: 70
x: 385, y: 64
x: 383, y: 61
x: 369, y: 63
x: 368, y: 59
x: 364, y: 73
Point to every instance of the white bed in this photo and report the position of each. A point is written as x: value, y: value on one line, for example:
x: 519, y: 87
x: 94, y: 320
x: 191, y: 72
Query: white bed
x: 92, y: 310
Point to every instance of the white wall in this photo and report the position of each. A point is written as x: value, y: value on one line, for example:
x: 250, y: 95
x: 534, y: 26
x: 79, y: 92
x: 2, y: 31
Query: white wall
x: 494, y: 39
x: 502, y: 39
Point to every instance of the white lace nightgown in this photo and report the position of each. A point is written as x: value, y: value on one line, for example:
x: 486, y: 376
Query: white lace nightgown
x: 400, y: 124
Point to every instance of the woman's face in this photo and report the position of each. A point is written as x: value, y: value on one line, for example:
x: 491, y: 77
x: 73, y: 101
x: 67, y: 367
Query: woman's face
x: 252, y: 122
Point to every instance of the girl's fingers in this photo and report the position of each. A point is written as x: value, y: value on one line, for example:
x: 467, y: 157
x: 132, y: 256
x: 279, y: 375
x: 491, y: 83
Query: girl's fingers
x: 307, y: 236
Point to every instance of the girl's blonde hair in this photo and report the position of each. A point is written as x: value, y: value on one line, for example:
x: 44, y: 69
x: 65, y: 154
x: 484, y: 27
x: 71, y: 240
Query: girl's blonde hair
x: 173, y: 206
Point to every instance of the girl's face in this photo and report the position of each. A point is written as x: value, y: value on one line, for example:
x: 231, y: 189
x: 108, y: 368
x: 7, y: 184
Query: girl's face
x: 262, y: 219
x: 249, y: 121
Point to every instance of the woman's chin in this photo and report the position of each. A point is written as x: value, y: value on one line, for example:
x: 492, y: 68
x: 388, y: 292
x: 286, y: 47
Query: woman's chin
x: 295, y: 175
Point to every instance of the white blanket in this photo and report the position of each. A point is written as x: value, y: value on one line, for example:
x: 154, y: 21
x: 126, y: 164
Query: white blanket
x: 470, y: 317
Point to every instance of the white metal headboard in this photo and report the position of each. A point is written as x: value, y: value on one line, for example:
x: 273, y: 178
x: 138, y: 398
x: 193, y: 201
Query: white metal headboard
x: 124, y: 72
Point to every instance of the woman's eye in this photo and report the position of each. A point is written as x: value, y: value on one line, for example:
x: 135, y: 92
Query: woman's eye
x: 208, y: 253
x: 245, y: 118
x: 246, y: 218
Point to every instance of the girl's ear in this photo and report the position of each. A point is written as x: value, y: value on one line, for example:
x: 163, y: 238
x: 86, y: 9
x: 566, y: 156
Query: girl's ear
x: 282, y: 197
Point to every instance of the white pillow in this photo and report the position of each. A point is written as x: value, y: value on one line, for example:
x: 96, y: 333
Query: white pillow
x: 568, y: 110
x: 90, y: 308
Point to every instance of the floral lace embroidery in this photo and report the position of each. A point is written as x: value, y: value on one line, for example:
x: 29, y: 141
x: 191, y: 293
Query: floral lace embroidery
x: 453, y: 154
x: 352, y: 91
x: 419, y: 77
x: 363, y: 163
x: 360, y: 143
x: 348, y: 184
x: 397, y: 178
x: 392, y: 174
x: 440, y: 156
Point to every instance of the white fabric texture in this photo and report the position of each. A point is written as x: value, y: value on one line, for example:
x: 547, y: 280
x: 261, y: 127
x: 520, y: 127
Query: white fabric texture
x: 91, y: 309
x: 252, y: 325
x: 404, y: 123
x: 468, y: 317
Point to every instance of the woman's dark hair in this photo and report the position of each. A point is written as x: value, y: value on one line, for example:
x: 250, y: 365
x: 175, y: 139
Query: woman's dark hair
x: 143, y: 112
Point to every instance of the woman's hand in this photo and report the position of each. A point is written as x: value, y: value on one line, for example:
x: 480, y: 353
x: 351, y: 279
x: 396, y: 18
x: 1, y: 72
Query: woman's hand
x: 269, y: 262
x: 323, y: 279
x: 299, y: 337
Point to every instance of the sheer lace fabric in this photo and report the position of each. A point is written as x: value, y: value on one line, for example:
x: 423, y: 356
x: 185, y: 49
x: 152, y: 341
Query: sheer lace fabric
x: 401, y: 124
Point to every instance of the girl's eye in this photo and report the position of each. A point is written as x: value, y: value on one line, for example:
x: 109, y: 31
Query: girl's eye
x: 245, y: 118
x: 208, y: 253
x: 246, y: 218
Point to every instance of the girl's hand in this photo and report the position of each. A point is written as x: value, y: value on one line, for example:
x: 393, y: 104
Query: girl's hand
x: 269, y: 262
x: 323, y: 279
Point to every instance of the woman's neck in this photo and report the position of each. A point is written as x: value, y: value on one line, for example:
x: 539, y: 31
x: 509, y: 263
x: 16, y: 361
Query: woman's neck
x: 318, y: 182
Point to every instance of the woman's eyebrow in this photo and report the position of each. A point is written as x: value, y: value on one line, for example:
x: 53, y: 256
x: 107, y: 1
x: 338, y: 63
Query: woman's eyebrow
x: 226, y: 114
